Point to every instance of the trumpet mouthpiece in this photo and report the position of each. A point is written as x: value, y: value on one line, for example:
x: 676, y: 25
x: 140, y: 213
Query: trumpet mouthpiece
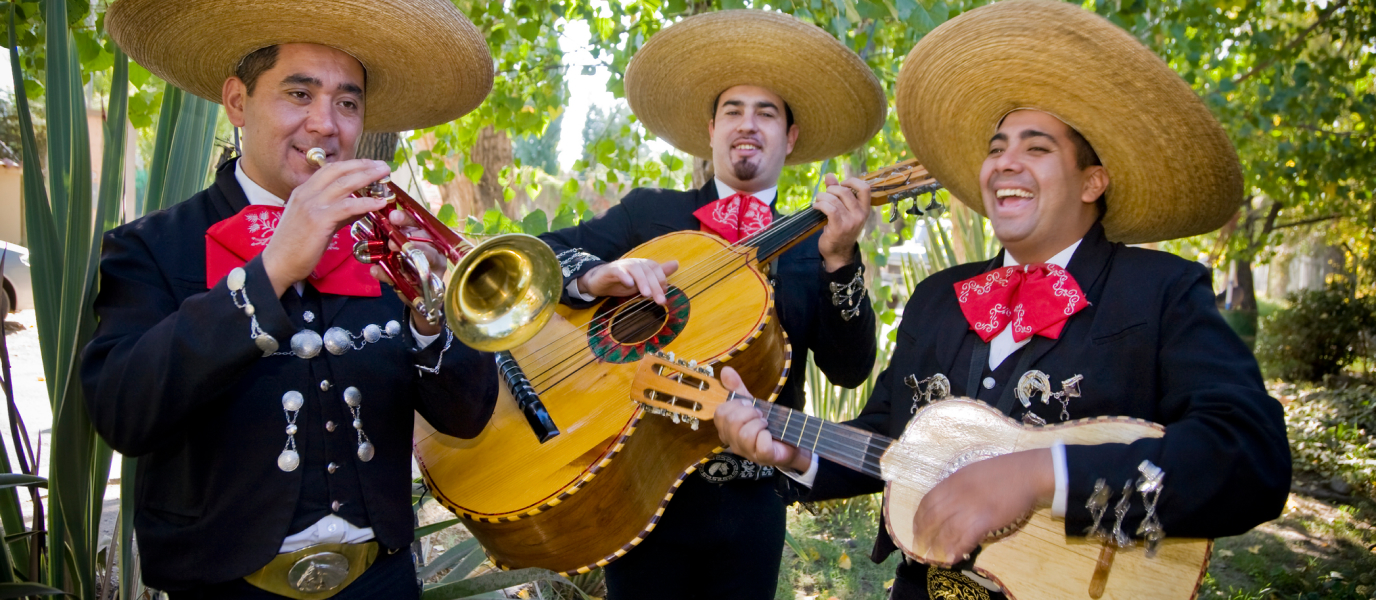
x: 316, y: 156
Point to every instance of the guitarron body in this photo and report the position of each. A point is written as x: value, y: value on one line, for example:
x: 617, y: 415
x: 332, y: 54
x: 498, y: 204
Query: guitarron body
x: 588, y: 495
x: 1036, y: 561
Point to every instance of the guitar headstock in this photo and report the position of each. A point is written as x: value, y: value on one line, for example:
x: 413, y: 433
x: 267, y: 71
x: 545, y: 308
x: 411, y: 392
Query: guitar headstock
x: 681, y: 390
x: 902, y: 181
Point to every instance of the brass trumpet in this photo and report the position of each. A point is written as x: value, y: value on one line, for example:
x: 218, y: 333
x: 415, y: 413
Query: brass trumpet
x: 495, y: 295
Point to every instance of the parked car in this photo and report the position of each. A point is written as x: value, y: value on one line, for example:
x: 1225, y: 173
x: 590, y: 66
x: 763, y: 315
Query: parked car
x: 18, y: 287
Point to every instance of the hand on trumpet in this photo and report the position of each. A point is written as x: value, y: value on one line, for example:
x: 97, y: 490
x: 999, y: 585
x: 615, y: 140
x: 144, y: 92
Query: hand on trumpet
x: 438, y: 264
x: 314, y: 212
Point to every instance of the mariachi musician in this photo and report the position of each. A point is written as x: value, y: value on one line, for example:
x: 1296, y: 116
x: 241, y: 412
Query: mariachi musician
x: 1073, y: 139
x: 753, y: 91
x: 265, y: 379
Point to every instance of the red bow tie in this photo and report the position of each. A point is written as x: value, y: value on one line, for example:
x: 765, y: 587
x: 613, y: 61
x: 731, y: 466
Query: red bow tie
x: 236, y: 240
x: 734, y: 217
x: 1037, y: 299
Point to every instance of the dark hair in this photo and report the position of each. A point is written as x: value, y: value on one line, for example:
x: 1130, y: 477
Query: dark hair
x: 788, y: 111
x: 254, y: 64
x: 1086, y: 157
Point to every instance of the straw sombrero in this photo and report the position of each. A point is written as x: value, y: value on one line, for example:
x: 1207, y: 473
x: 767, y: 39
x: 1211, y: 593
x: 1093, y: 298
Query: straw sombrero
x: 1173, y: 171
x: 426, y: 63
x: 672, y: 81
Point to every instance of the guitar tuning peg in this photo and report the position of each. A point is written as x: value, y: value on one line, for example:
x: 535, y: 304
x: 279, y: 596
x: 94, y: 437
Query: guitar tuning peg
x: 671, y: 357
x: 893, y: 209
x: 693, y: 364
x: 914, y: 210
x: 709, y: 371
x: 934, y: 208
x: 658, y: 354
x: 694, y: 423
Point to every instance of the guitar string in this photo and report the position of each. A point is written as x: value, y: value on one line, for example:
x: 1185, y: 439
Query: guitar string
x: 839, y: 441
x: 730, y: 252
x: 786, y: 231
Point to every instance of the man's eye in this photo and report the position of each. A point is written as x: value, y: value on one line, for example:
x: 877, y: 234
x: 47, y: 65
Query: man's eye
x: 993, y: 151
x: 349, y: 104
x: 300, y: 95
x: 1037, y: 149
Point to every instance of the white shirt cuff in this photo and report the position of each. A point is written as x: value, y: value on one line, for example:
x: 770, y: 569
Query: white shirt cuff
x: 422, y: 340
x: 805, y: 478
x: 1062, y: 480
x: 574, y: 292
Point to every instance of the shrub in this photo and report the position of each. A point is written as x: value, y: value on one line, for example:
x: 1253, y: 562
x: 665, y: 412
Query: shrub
x: 1322, y: 332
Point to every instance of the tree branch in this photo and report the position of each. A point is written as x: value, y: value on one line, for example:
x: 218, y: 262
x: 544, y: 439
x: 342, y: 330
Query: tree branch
x: 1307, y: 222
x: 1299, y: 39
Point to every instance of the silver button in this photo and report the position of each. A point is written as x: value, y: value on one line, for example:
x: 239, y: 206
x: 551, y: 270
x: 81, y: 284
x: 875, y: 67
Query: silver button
x: 308, y: 316
x: 988, y: 383
x: 333, y: 527
x: 332, y: 467
x: 334, y: 506
x: 324, y: 385
x: 329, y: 425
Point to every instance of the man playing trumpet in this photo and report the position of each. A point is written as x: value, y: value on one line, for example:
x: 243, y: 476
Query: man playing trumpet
x: 262, y: 376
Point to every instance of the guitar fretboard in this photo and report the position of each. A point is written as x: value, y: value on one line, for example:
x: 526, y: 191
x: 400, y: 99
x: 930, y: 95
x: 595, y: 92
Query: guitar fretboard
x: 847, y: 446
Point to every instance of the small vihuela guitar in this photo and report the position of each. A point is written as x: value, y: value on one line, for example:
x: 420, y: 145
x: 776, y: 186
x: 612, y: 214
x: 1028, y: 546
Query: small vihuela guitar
x: 1034, y: 560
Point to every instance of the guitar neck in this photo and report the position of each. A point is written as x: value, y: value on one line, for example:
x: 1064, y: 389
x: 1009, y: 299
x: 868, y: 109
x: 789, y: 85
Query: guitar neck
x: 847, y: 446
x: 785, y: 232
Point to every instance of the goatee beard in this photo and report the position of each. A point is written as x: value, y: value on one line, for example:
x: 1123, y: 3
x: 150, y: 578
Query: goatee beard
x: 745, y: 170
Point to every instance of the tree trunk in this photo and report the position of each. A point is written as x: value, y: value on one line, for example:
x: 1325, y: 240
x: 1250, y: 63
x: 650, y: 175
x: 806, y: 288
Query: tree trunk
x: 703, y: 172
x: 1245, y: 295
x: 378, y: 146
x: 493, y: 151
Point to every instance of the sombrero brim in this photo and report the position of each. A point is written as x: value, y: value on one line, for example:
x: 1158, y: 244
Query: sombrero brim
x: 1173, y: 170
x: 426, y: 63
x: 673, y: 79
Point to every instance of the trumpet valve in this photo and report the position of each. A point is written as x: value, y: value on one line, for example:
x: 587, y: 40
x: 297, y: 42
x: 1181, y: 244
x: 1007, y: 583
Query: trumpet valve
x: 370, y: 251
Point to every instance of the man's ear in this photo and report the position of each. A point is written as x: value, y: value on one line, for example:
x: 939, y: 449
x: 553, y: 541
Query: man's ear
x: 1095, y: 182
x: 792, y: 138
x: 234, y: 95
x: 711, y: 127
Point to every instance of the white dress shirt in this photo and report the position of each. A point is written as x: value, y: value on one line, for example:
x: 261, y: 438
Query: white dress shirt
x: 332, y: 529
x: 723, y: 191
x: 1000, y: 348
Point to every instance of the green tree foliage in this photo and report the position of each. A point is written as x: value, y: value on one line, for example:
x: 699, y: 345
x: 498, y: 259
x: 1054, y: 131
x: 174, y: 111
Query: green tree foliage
x: 540, y: 151
x: 1321, y: 333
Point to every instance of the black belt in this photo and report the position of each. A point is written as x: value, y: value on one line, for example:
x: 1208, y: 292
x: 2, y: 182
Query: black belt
x: 724, y: 467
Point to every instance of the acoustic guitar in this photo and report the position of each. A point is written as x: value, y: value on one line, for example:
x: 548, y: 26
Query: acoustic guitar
x: 568, y: 475
x: 1033, y: 560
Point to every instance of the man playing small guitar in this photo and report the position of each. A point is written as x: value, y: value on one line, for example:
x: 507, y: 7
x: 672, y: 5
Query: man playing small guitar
x: 1069, y: 158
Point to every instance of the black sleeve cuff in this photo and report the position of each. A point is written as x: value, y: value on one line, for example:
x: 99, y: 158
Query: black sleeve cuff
x: 267, y: 306
x: 575, y: 262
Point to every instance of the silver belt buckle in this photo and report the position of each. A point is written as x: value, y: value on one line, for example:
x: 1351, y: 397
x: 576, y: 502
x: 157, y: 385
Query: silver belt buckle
x: 321, y: 572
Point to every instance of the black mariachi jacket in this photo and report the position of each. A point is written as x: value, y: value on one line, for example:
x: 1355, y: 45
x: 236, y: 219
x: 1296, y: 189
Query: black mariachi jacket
x: 844, y: 350
x: 172, y: 377
x: 1150, y: 345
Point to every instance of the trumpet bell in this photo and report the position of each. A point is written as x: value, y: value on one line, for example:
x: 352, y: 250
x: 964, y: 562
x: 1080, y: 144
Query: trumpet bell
x: 502, y: 292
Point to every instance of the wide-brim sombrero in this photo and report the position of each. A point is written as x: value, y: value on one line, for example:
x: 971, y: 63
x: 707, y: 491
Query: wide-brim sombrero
x: 673, y: 79
x: 426, y: 63
x: 1173, y: 171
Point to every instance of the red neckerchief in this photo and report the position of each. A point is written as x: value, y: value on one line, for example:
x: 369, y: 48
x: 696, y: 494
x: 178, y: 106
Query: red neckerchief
x: 734, y: 217
x: 236, y: 240
x: 1037, y: 299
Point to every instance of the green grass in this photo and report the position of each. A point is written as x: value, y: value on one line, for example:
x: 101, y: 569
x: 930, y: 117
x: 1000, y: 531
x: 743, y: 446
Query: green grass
x: 838, y: 529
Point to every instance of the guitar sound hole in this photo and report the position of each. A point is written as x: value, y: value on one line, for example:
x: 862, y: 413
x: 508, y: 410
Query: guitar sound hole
x: 637, y: 322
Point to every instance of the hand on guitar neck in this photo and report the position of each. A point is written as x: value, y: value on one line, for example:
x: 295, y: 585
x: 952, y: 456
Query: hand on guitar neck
x: 959, y: 513
x: 744, y: 429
